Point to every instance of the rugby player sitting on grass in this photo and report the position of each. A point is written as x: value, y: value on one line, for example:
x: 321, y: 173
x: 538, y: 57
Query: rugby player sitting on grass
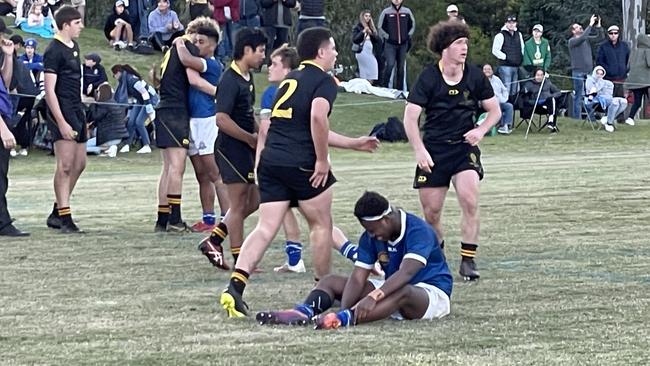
x: 418, y: 283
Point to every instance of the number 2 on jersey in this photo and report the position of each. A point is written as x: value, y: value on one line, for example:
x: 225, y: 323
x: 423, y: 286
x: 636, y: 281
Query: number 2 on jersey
x: 285, y: 113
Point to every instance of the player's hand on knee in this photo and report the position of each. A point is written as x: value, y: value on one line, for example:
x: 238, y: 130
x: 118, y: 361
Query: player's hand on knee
x: 363, y: 308
x: 424, y: 160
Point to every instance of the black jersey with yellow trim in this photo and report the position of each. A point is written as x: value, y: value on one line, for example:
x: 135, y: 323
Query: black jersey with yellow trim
x: 289, y: 141
x: 65, y: 62
x: 174, y: 85
x: 449, y: 109
x: 236, y: 98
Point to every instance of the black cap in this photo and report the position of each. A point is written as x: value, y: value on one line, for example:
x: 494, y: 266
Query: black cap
x: 93, y: 56
x: 3, y: 27
x: 511, y: 18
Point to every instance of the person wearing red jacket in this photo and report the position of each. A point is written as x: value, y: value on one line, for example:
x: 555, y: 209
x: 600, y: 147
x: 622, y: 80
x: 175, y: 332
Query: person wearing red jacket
x: 226, y: 12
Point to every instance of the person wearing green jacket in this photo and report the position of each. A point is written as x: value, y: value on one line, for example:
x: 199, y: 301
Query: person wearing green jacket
x: 537, y: 51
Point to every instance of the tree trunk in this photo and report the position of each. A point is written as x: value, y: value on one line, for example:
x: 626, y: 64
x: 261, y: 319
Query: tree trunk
x: 634, y: 14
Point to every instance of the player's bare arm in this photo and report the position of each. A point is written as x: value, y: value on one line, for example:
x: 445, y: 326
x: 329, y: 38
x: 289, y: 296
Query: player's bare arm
x: 229, y: 127
x: 53, y: 103
x: 491, y: 106
x: 412, y: 128
x: 320, y: 127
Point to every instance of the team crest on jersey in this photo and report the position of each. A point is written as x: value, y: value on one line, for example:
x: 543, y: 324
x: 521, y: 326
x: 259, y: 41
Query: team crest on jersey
x: 250, y: 88
x: 382, y: 258
x: 422, y: 179
x: 75, y: 54
x: 453, y: 92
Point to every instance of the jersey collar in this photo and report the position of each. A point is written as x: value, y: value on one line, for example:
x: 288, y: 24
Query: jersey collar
x: 313, y: 64
x: 402, y: 230
x: 60, y: 39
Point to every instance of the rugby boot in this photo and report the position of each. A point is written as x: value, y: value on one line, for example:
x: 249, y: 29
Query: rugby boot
x: 283, y: 317
x: 214, y: 253
x: 54, y: 221
x: 179, y: 227
x: 70, y: 228
x: 343, y: 318
x: 232, y: 303
x: 468, y: 269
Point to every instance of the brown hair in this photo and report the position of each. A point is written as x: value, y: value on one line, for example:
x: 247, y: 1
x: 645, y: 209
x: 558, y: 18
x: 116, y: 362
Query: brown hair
x: 288, y: 56
x: 445, y: 33
x: 370, y: 24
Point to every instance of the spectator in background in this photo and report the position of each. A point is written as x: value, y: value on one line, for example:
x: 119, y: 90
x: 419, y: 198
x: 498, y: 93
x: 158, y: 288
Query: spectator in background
x: 80, y: 5
x: 18, y: 43
x: 396, y: 27
x: 508, y: 48
x: 537, y: 51
x: 582, y: 60
x: 276, y: 17
x: 8, y: 140
x: 108, y: 119
x: 547, y: 98
x: 601, y: 92
x: 35, y: 16
x: 226, y: 13
x: 32, y: 60
x: 117, y: 28
x: 501, y: 92
x: 131, y: 85
x: 312, y: 14
x: 139, y: 11
x: 94, y: 74
x: 7, y: 7
x: 638, y: 80
x: 164, y: 26
x: 364, y: 38
x: 452, y: 13
x: 249, y: 13
x: 199, y: 8
x: 613, y: 55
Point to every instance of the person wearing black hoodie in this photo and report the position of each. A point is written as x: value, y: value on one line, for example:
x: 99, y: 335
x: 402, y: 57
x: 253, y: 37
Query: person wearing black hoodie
x: 118, y: 29
x: 109, y: 120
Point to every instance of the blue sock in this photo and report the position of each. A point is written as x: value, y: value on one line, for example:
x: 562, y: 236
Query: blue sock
x: 349, y: 251
x: 294, y: 252
x: 305, y: 309
x: 209, y: 218
x: 346, y: 317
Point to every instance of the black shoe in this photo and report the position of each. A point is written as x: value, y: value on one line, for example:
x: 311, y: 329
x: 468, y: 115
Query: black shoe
x: 54, y: 221
x: 180, y: 227
x: 468, y: 269
x: 11, y: 230
x: 160, y: 228
x: 70, y: 228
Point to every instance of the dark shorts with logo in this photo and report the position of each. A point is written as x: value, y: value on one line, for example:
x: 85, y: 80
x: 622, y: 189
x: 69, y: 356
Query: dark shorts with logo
x: 172, y: 128
x: 282, y: 183
x: 236, y: 165
x: 448, y: 160
x: 76, y: 120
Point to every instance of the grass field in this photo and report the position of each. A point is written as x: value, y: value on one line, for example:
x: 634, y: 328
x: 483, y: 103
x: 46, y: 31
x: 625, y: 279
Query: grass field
x: 563, y: 260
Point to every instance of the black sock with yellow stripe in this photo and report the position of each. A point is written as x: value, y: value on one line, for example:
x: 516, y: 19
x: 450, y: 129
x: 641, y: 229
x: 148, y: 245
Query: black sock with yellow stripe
x: 219, y: 234
x: 238, y: 281
x: 468, y: 251
x: 163, y: 215
x: 235, y: 253
x: 174, y: 201
x: 65, y: 214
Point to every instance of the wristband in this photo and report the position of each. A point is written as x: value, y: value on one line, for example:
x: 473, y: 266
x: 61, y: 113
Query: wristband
x: 377, y: 294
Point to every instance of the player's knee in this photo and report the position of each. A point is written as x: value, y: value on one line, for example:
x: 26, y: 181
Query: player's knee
x: 65, y: 167
x: 469, y: 204
x: 432, y: 214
